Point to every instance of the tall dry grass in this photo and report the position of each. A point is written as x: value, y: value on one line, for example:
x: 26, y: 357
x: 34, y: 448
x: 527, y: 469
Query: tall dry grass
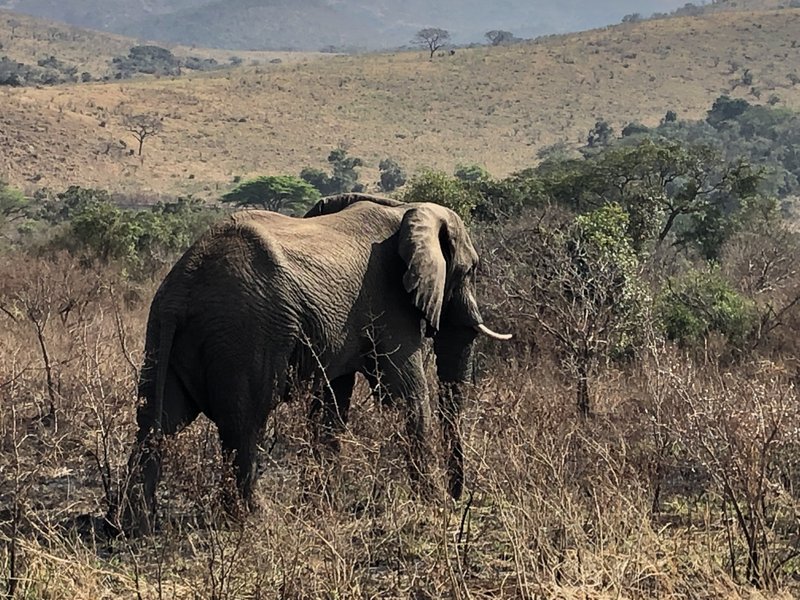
x: 684, y: 482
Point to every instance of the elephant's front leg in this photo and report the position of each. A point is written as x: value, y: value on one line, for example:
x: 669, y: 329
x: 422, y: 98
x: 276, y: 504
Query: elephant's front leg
x: 450, y: 399
x: 403, y: 378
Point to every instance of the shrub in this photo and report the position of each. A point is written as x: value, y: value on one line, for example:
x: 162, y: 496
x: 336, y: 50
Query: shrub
x: 392, y: 175
x: 440, y: 188
x: 703, y: 302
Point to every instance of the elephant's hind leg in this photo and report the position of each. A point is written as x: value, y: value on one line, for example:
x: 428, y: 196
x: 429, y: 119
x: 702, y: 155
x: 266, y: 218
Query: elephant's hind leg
x: 144, y: 465
x: 329, y: 412
x: 327, y: 420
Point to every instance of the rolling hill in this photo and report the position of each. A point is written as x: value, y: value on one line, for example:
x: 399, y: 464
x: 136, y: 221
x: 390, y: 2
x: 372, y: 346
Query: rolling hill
x: 494, y: 106
x: 314, y: 24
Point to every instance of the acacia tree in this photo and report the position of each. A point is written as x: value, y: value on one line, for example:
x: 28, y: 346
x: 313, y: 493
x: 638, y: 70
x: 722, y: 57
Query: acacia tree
x: 142, y: 126
x: 279, y: 193
x: 432, y: 38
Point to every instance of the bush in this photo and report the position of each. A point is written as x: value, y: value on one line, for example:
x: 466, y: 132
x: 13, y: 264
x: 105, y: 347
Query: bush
x: 440, y: 188
x: 703, y: 302
x: 392, y: 175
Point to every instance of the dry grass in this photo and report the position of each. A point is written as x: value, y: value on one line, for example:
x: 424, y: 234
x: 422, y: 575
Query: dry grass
x: 492, y: 106
x: 636, y: 502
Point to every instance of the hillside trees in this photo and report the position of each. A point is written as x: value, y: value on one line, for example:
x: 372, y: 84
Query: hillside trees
x: 499, y: 37
x: 661, y: 185
x: 12, y: 203
x: 343, y: 177
x: 392, y: 175
x: 90, y: 224
x: 439, y: 187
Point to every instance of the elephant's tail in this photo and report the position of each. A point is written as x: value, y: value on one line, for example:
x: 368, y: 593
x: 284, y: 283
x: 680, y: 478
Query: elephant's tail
x: 166, y: 336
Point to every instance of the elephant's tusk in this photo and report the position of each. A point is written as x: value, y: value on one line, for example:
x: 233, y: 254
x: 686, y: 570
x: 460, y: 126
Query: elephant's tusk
x: 492, y: 334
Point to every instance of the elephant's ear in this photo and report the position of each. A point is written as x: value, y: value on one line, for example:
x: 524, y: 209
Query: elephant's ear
x: 420, y: 247
x: 333, y: 204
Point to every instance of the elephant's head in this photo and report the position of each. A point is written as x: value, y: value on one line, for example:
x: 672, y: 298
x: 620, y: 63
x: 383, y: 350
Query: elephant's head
x: 441, y: 263
x: 440, y: 279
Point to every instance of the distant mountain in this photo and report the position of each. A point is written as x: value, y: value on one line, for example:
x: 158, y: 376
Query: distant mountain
x: 316, y: 24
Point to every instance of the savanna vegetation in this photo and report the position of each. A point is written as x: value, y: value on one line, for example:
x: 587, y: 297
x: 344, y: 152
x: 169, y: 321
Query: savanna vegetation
x: 639, y: 437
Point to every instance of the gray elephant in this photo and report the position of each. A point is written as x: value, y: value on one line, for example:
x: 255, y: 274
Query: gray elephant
x: 262, y: 301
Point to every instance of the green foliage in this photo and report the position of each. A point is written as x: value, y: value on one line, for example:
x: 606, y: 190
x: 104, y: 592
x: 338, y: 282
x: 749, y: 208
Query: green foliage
x: 500, y: 37
x: 606, y: 230
x: 440, y: 188
x: 634, y: 129
x: 152, y: 60
x: 504, y: 198
x: 48, y: 71
x: 724, y: 109
x: 13, y: 203
x: 88, y: 223
x: 471, y: 173
x: 392, y: 175
x: 343, y: 178
x: 280, y: 193
x: 600, y: 135
x: 155, y: 60
x: 345, y: 175
x: 703, y: 302
x: 662, y: 185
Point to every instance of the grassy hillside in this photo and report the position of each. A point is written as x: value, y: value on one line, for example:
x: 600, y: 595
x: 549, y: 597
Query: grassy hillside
x: 493, y: 106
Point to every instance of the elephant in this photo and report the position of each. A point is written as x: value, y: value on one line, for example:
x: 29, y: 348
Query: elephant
x: 262, y: 301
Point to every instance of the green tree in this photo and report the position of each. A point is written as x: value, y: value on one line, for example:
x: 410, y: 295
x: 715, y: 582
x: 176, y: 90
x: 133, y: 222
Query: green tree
x: 471, y: 173
x: 586, y: 292
x: 13, y: 204
x: 392, y: 175
x: 664, y: 186
x: 600, y: 135
x: 634, y: 128
x: 499, y: 37
x: 343, y: 178
x: 724, y: 109
x: 280, y: 193
x: 345, y: 175
x: 699, y: 303
x: 106, y: 231
x: 440, y: 188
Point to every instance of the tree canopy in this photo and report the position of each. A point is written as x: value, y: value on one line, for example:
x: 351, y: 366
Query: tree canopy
x: 280, y: 193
